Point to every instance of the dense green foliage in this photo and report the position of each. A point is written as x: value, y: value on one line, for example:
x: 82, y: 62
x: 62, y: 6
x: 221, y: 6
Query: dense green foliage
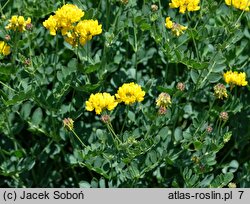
x: 45, y: 80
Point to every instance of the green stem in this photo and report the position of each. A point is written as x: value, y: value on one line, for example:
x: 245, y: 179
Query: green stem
x: 205, y: 118
x: 2, y: 7
x: 30, y: 51
x: 125, y: 120
x: 11, y: 135
x: 113, y: 132
x: 226, y: 155
x: 107, y: 14
x: 219, y: 128
x: 7, y: 86
x: 78, y: 138
x: 205, y: 78
x: 163, y: 29
x: 135, y: 48
x: 192, y: 35
x: 237, y: 21
x: 112, y: 135
x: 14, y: 53
x: 222, y: 126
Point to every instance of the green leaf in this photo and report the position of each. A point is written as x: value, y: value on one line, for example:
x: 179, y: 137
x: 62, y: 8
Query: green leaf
x: 6, y: 69
x: 89, y: 88
x: 153, y: 157
x: 84, y: 184
x: 194, y: 75
x: 231, y: 167
x: 25, y: 111
x: 205, y: 183
x: 222, y: 180
x: 71, y: 68
x: 102, y: 183
x: 178, y: 135
x: 59, y: 76
x: 91, y: 68
x: 193, y: 64
x: 89, y: 13
x: 163, y: 133
x: 131, y: 116
x: 37, y: 116
x: 21, y: 96
x: 166, y: 90
x: 145, y: 26
x: 214, y: 77
x: 198, y: 145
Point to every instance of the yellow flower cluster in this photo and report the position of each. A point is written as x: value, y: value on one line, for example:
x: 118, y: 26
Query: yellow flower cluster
x: 164, y: 100
x: 183, y: 5
x: 130, y: 93
x: 239, y: 4
x: 63, y: 19
x: 101, y: 101
x: 18, y: 23
x: 67, y: 19
x: 83, y: 32
x: 176, y: 28
x: 235, y: 78
x: 4, y: 48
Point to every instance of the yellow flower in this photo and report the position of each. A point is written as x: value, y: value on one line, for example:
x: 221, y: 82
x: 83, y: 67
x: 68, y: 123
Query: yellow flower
x: 4, y: 48
x: 100, y: 102
x: 239, y: 4
x: 83, y: 31
x: 163, y: 100
x: 176, y: 28
x: 235, y: 78
x: 18, y: 23
x: 67, y: 19
x: 64, y: 19
x: 51, y: 24
x: 183, y: 5
x: 67, y: 15
x: 130, y: 93
x: 169, y: 23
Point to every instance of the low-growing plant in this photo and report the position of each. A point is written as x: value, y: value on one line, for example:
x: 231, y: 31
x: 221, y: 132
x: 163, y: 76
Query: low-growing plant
x: 118, y: 93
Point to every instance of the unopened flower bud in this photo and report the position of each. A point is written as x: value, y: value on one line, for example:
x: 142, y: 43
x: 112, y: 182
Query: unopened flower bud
x: 180, y: 86
x: 227, y: 136
x: 162, y: 110
x: 224, y: 116
x: 154, y: 7
x: 232, y: 185
x: 195, y: 159
x: 124, y: 2
x: 7, y: 37
x: 68, y: 123
x: 131, y: 140
x: 209, y: 129
x: 29, y: 26
x: 105, y: 118
x: 27, y: 62
x: 220, y: 91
